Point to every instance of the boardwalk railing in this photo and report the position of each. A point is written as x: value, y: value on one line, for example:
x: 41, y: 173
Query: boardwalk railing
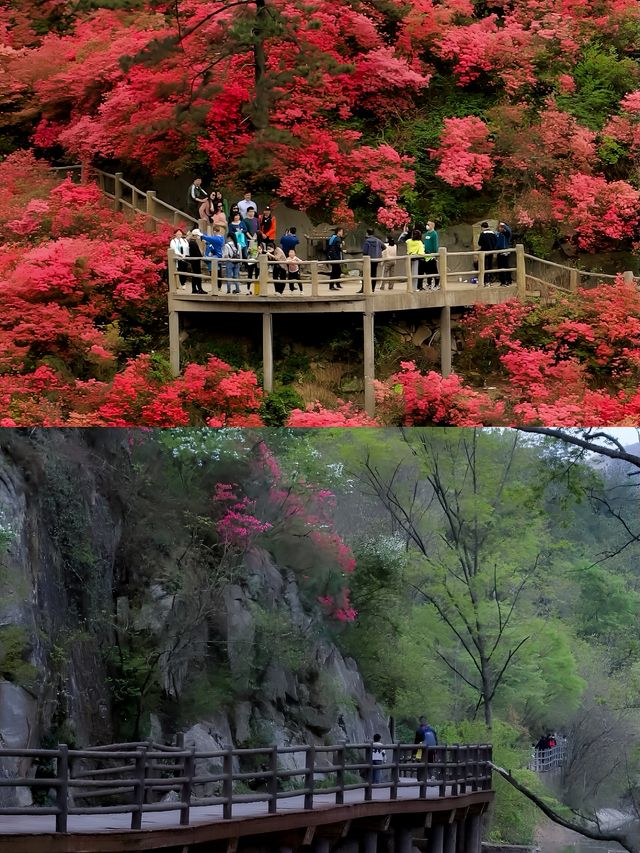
x: 543, y: 760
x: 131, y: 776
x: 535, y: 277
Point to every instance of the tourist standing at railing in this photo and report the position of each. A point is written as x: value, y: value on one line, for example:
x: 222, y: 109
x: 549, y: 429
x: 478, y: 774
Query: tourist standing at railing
x: 415, y: 248
x: 214, y: 245
x: 389, y: 255
x: 277, y: 255
x: 180, y: 246
x: 503, y: 241
x: 431, y: 245
x: 267, y: 225
x: 335, y: 256
x: 218, y: 198
x: 195, y: 255
x: 245, y: 203
x: 373, y: 247
x: 378, y: 757
x: 231, y: 255
x: 487, y: 243
x: 293, y: 270
x: 289, y: 240
x: 195, y: 197
x: 205, y: 213
x: 219, y: 218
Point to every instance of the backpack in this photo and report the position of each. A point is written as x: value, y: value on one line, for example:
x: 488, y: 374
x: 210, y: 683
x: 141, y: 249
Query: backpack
x: 430, y: 737
x: 333, y: 248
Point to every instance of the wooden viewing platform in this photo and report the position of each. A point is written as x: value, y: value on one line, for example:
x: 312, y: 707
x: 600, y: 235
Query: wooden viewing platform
x: 534, y: 278
x: 105, y: 798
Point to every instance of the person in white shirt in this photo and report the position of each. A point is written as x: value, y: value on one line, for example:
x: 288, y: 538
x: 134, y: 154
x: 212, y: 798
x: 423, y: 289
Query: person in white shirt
x: 245, y: 204
x: 378, y: 757
x: 180, y: 246
x: 389, y: 255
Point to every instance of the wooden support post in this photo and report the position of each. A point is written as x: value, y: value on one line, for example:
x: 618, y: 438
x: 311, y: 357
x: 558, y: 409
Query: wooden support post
x: 174, y: 342
x: 321, y: 845
x: 140, y: 776
x: 370, y: 842
x: 366, y: 275
x: 308, y: 777
x: 395, y: 772
x: 574, y: 280
x: 315, y: 278
x: 407, y: 262
x: 450, y: 837
x: 117, y: 191
x: 339, y: 761
x: 369, y: 362
x: 403, y: 840
x: 262, y: 286
x: 62, y: 793
x: 436, y: 839
x: 473, y: 834
x: 368, y: 791
x: 150, y: 209
x: 185, y: 796
x: 521, y: 273
x: 273, y: 781
x: 445, y: 340
x: 227, y: 784
x: 101, y: 180
x: 481, y: 257
x: 267, y: 351
x: 443, y: 268
x: 461, y: 834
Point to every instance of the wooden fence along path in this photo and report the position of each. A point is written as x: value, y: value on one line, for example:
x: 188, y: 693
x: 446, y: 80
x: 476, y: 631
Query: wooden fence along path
x: 101, y: 783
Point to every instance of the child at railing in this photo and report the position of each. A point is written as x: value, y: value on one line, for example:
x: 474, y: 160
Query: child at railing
x: 378, y: 757
x: 293, y: 270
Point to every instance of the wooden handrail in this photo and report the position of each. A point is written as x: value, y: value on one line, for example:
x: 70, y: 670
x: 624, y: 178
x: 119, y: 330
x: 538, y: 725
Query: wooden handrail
x: 443, y: 767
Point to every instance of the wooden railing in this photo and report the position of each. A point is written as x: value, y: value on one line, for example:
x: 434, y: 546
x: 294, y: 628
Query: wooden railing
x: 535, y: 276
x: 131, y: 776
x: 543, y: 760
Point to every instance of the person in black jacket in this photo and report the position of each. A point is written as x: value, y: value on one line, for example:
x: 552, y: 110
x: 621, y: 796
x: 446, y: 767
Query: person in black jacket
x: 334, y: 256
x: 195, y: 262
x: 487, y: 243
x: 503, y: 241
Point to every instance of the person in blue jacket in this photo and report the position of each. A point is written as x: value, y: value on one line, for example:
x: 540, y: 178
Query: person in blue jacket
x: 213, y: 246
x: 505, y: 259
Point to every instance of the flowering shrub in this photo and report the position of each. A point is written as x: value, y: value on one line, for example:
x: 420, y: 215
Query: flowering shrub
x: 464, y: 153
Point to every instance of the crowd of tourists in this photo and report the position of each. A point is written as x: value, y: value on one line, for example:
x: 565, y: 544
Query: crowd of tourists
x: 236, y: 237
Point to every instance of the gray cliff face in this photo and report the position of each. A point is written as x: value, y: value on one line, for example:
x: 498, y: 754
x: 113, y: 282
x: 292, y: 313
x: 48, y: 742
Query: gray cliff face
x: 62, y: 589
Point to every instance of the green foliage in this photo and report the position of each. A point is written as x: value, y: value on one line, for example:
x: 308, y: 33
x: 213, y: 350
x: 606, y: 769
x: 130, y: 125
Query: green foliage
x: 602, y: 79
x: 277, y: 405
x: 291, y: 366
x: 15, y: 649
x: 206, y: 693
x: 277, y: 639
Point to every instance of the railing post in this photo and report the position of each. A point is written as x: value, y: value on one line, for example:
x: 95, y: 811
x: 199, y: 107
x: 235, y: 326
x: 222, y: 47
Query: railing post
x: 150, y: 208
x: 315, y: 278
x: 140, y: 776
x: 443, y: 267
x: 62, y: 793
x: 340, y: 775
x: 185, y: 796
x: 368, y: 791
x: 273, y: 781
x: 227, y: 784
x: 395, y: 773
x: 215, y: 272
x: 521, y: 273
x: 574, y: 279
x: 308, y: 777
x: 263, y: 276
x: 480, y: 269
x: 117, y: 191
x: 443, y: 751
x: 456, y: 749
x: 628, y: 277
x: 366, y: 275
x: 407, y: 261
x: 423, y: 773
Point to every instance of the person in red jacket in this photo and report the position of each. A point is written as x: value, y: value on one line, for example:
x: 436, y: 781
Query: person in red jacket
x: 267, y: 222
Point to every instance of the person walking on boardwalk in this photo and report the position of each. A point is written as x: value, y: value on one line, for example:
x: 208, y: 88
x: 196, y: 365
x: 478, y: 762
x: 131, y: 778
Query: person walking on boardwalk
x: 487, y: 243
x: 373, y: 247
x: 389, y: 255
x: 289, y: 240
x: 431, y: 244
x: 214, y: 245
x: 195, y: 262
x: 293, y: 270
x: 277, y: 255
x: 268, y: 226
x: 335, y: 256
x: 503, y: 242
x: 425, y: 736
x: 231, y: 255
x: 378, y: 757
x: 195, y: 197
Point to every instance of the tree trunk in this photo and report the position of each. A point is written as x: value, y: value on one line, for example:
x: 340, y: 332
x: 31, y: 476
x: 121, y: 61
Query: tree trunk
x: 260, y: 116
